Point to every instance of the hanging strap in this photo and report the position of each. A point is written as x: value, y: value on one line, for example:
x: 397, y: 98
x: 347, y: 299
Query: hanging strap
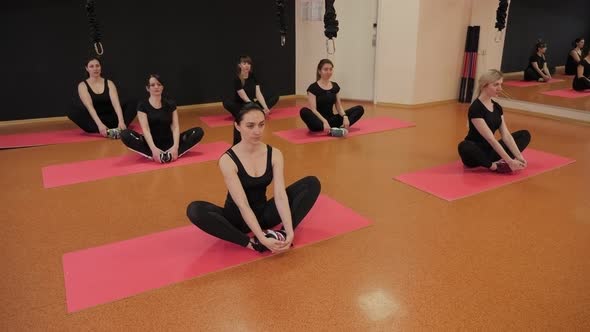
x: 95, y: 35
x: 501, y: 15
x: 282, y: 23
x: 330, y: 26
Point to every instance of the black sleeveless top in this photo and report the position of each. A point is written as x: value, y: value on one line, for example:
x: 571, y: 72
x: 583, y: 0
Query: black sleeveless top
x: 584, y: 63
x: 101, y: 102
x: 254, y: 187
x: 571, y: 64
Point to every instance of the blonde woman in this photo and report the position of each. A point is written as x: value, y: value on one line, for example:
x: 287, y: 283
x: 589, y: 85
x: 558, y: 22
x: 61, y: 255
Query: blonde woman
x: 480, y: 148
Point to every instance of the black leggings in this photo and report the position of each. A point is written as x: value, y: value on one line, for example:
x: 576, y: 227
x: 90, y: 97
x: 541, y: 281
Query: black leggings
x: 216, y: 221
x: 234, y: 107
x: 315, y: 124
x: 137, y: 143
x: 80, y: 116
x: 581, y: 83
x: 475, y: 155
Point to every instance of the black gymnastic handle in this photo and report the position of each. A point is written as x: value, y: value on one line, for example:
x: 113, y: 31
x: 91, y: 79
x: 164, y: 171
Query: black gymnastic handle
x: 95, y: 34
x: 330, y: 22
x: 281, y: 18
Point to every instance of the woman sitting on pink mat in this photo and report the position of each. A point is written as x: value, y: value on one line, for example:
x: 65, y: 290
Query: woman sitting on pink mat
x: 480, y: 148
x: 248, y: 168
x: 98, y: 110
x: 323, y: 96
x: 574, y: 56
x: 582, y: 80
x: 537, y: 69
x: 162, y: 140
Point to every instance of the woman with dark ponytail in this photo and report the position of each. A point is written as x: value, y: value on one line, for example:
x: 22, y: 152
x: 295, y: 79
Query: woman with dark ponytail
x: 582, y: 80
x: 574, y: 57
x: 537, y: 69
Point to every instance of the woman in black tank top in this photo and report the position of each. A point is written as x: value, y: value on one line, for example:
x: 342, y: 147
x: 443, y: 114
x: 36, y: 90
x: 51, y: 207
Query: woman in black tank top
x: 98, y: 110
x: 581, y: 81
x: 248, y: 168
x: 574, y: 56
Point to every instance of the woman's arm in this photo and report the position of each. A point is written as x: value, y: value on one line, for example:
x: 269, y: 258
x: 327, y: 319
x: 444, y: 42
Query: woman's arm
x: 575, y: 55
x: 509, y: 140
x: 145, y: 127
x: 261, y: 100
x: 87, y: 101
x: 486, y: 133
x: 116, y: 103
x: 339, y: 107
x: 244, y: 96
x: 536, y: 67
x: 280, y: 194
x: 175, y: 134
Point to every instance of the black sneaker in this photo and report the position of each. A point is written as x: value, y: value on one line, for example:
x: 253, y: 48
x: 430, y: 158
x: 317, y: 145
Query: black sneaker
x: 503, y: 167
x: 257, y: 245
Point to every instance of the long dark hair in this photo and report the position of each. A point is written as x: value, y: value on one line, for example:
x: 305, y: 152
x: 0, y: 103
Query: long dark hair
x: 576, y: 41
x: 320, y: 65
x: 246, y: 59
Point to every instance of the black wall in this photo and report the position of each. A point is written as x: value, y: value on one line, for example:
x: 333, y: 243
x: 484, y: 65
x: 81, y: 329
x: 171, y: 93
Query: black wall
x: 558, y: 22
x: 193, y: 45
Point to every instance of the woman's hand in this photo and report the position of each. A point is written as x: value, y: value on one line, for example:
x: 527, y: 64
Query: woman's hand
x: 326, y: 126
x: 121, y: 125
x: 345, y: 122
x: 156, y: 153
x: 522, y: 160
x: 515, y: 165
x: 102, y: 129
x: 273, y: 245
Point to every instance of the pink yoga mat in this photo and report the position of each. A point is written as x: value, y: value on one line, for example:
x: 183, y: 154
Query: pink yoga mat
x: 453, y: 181
x: 50, y: 137
x: 118, y: 270
x: 228, y: 120
x: 523, y: 84
x: 46, y: 138
x: 131, y: 163
x: 363, y: 126
x: 568, y: 93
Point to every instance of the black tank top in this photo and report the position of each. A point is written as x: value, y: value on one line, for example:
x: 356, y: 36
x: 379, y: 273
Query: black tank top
x: 586, y: 66
x: 101, y: 102
x: 254, y: 187
x: 571, y: 64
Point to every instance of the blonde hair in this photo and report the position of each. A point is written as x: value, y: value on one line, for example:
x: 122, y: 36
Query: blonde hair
x: 487, y: 78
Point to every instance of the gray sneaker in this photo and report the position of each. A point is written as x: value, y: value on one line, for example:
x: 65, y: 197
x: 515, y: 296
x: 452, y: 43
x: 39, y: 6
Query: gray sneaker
x: 114, y: 133
x: 338, y: 132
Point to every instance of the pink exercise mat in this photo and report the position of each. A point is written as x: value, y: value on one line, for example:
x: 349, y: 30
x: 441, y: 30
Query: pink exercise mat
x: 524, y: 84
x: 131, y: 163
x: 567, y: 93
x: 227, y: 120
x: 118, y: 270
x: 46, y: 138
x: 50, y: 137
x: 453, y: 181
x: 363, y: 126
